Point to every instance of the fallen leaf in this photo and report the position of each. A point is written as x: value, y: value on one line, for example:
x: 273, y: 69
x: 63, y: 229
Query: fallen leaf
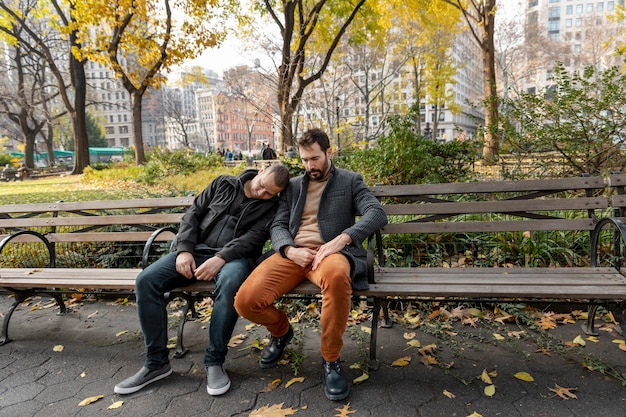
x: 402, y: 361
x: 475, y: 414
x: 448, y: 394
x: 92, y: 315
x: 360, y: 379
x: 116, y: 404
x: 366, y: 329
x: 83, y: 374
x: 58, y: 348
x: 565, y: 393
x: 251, y: 326
x: 118, y: 334
x: 490, y: 390
x: 272, y: 385
x: 90, y: 400
x: 578, y: 340
x: 428, y: 349
x: 237, y: 340
x: 293, y: 381
x: 485, y: 377
x: 428, y: 360
x: 409, y: 335
x: 275, y: 410
x: 593, y: 339
x: 498, y: 336
x: 344, y: 411
x: 524, y: 376
x: 414, y: 343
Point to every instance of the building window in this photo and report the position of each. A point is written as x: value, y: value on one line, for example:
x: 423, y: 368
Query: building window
x: 569, y: 9
x: 568, y: 23
x: 610, y: 5
x: 123, y: 129
x: 600, y: 7
x: 579, y: 8
x: 554, y: 12
x: 589, y: 7
x: 579, y: 22
x: 553, y: 25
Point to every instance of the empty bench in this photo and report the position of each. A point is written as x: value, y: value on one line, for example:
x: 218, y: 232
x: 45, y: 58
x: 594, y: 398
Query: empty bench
x: 467, y: 216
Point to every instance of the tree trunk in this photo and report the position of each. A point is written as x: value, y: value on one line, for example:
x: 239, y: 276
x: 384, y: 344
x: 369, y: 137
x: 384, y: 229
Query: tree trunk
x: 135, y: 99
x: 79, y: 113
x: 491, y: 147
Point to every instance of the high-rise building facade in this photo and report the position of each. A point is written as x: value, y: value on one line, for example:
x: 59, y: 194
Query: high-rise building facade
x: 577, y: 33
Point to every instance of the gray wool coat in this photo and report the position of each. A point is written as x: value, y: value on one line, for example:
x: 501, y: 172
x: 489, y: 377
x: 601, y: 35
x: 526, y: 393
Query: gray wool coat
x: 345, y: 197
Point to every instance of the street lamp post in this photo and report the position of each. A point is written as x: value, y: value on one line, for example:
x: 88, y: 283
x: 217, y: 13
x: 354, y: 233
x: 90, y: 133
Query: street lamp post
x: 338, y: 137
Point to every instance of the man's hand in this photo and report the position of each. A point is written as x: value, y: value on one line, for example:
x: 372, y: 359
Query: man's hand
x: 185, y: 264
x: 300, y: 256
x: 209, y: 269
x: 334, y: 246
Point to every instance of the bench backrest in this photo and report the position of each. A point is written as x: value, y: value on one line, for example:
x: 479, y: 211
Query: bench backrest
x: 496, y: 206
x: 88, y: 221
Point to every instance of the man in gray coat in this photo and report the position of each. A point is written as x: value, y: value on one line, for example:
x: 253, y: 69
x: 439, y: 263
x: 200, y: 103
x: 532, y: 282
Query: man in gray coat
x: 316, y: 237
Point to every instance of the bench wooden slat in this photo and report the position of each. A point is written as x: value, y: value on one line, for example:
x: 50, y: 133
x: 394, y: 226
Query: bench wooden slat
x: 556, y: 185
x: 504, y: 206
x: 112, y: 220
x: 165, y: 202
x: 486, y: 226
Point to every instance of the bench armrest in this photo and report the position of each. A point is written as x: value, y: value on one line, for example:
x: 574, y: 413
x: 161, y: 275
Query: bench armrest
x: 374, y: 243
x: 618, y: 240
x: 39, y: 236
x: 148, y: 246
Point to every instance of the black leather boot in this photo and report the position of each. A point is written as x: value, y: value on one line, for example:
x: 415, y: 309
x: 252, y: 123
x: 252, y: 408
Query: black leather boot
x: 337, y: 386
x: 273, y: 352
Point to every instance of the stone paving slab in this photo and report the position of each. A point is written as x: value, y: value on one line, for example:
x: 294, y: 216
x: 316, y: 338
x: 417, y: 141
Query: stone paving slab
x: 102, y: 345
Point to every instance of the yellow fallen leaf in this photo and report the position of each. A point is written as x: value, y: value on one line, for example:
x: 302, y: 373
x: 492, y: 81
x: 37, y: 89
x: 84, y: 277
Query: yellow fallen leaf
x: 251, y: 326
x: 428, y: 360
x: 485, y: 377
x: 493, y: 373
x: 118, y: 334
x: 366, y: 329
x: 58, y: 348
x: 475, y: 414
x: 593, y: 339
x: 414, y: 343
x: 116, y: 404
x: 83, y: 374
x: 360, y: 379
x: 476, y: 312
x: 622, y: 346
x: 618, y: 341
x: 344, y: 411
x: 498, y: 336
x: 257, y: 344
x: 448, y: 394
x: 409, y: 335
x: 274, y: 410
x: 428, y: 349
x: 524, y: 376
x: 490, y: 390
x: 293, y: 381
x: 578, y: 340
x: 236, y: 340
x: 90, y: 400
x: 402, y: 361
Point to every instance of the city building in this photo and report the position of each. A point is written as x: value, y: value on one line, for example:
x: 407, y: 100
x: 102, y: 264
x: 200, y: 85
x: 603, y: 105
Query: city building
x: 577, y: 33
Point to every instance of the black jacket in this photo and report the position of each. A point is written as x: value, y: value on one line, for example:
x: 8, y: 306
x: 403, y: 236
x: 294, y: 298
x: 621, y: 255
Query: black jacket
x: 207, y: 209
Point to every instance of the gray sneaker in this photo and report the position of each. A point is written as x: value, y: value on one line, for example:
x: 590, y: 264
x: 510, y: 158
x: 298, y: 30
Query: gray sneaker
x: 217, y: 380
x: 142, y: 378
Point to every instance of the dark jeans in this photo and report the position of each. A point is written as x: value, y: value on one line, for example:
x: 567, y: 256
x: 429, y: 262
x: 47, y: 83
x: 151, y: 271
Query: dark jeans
x: 160, y: 278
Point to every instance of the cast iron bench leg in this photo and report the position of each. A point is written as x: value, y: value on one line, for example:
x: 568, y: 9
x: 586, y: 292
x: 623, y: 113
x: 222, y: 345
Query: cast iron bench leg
x: 4, y: 339
x: 589, y: 327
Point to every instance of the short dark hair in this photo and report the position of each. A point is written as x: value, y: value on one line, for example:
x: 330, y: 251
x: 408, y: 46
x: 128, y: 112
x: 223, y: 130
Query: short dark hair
x: 280, y: 175
x: 312, y: 136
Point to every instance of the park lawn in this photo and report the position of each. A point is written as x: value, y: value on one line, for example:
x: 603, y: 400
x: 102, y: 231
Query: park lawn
x: 65, y: 188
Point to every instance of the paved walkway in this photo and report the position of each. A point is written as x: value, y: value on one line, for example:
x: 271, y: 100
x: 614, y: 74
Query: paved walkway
x: 102, y: 345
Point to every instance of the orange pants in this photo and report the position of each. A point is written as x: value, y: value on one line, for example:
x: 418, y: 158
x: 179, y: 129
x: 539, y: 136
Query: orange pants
x: 276, y: 276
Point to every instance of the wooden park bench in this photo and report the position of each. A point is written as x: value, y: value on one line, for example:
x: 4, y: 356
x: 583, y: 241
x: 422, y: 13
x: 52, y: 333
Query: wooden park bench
x: 463, y: 213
